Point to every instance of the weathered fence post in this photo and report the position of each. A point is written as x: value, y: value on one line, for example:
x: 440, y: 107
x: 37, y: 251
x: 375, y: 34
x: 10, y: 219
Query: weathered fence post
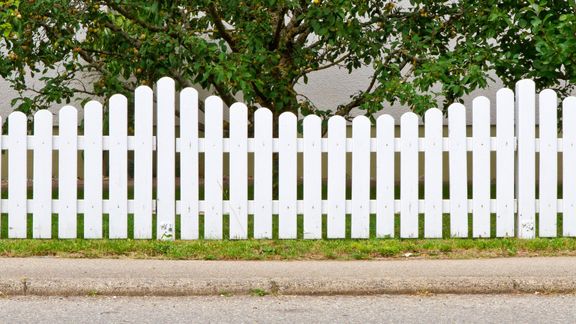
x: 526, y: 162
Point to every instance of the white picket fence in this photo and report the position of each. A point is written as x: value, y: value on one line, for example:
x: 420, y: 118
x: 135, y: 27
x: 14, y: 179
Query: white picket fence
x: 515, y: 144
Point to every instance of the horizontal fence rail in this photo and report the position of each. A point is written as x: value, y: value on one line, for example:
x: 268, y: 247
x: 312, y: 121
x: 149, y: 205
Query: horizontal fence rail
x: 166, y: 203
x: 250, y: 144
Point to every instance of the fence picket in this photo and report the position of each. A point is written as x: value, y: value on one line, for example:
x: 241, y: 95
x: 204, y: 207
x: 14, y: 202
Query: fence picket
x: 312, y: 177
x: 433, y: 174
x: 213, y: 163
x: 67, y: 172
x: 458, y: 171
x: 409, y: 176
x: 143, y: 134
x: 569, y: 172
x: 42, y: 217
x: 17, y: 175
x: 263, y: 173
x: 481, y: 167
x: 118, y: 213
x: 526, y: 172
x: 385, y: 176
x: 505, y: 163
x: 515, y: 169
x: 93, y: 170
x: 548, y: 129
x: 336, y: 219
x: 287, y: 175
x: 189, y: 229
x: 238, y: 171
x: 361, y: 177
x: 166, y: 157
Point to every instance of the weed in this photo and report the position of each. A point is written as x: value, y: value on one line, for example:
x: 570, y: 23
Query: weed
x: 258, y: 292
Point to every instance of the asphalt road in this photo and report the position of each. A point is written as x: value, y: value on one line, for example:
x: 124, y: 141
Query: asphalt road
x: 271, y: 309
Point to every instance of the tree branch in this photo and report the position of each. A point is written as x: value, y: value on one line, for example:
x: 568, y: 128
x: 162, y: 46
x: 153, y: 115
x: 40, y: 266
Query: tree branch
x: 344, y: 110
x: 217, y: 20
x: 323, y: 67
x: 124, y: 34
x: 228, y: 99
x: 134, y: 18
x: 277, y: 33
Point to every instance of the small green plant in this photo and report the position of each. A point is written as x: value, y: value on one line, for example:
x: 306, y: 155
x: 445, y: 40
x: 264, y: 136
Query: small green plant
x: 93, y: 293
x: 225, y: 294
x: 389, y: 251
x: 258, y: 292
x: 445, y: 248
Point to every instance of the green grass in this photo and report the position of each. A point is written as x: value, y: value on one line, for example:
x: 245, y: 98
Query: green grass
x: 289, y: 249
x: 275, y: 223
x: 275, y: 249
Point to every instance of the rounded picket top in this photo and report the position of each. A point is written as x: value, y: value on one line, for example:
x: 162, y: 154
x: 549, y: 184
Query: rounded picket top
x: 213, y: 101
x: 385, y: 119
x: 481, y: 110
x: 118, y: 110
x: 481, y: 101
x: 456, y: 108
x: 569, y: 102
x: 263, y: 113
x: 287, y: 116
x: 92, y: 105
x: 43, y: 123
x: 238, y: 108
x: 166, y: 81
x: 43, y: 115
x: 144, y: 90
x: 263, y: 110
x: 312, y: 127
x: 385, y: 128
x: 118, y: 100
x: 188, y: 105
x: 527, y: 84
x: 361, y: 121
x: 17, y: 117
x: 92, y: 113
x: 67, y: 117
x: 547, y: 94
x: 312, y: 120
x: 433, y: 114
x: 408, y: 118
x: 67, y: 111
x: 504, y: 92
x: 189, y: 92
x: 238, y: 119
x: 336, y: 121
x: 42, y: 119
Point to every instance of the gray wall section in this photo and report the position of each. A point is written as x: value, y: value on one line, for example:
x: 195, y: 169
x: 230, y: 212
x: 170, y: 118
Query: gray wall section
x: 327, y: 89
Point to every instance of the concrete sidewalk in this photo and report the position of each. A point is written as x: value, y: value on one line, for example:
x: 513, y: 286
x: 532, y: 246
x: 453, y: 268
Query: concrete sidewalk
x: 65, y: 277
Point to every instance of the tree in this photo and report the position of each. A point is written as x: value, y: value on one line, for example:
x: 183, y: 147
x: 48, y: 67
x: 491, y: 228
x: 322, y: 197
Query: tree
x: 263, y: 48
x: 9, y: 10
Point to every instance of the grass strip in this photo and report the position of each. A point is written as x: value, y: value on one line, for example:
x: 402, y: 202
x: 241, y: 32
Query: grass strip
x: 346, y: 249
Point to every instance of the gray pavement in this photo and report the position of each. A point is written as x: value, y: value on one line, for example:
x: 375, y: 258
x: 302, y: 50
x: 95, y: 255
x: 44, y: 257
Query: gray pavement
x: 292, y: 309
x: 128, y: 277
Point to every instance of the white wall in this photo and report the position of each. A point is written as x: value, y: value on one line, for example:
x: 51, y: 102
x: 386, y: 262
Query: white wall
x: 331, y: 87
x: 327, y: 88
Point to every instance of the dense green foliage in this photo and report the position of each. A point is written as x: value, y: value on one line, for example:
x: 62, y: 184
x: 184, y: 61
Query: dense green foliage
x: 263, y: 48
